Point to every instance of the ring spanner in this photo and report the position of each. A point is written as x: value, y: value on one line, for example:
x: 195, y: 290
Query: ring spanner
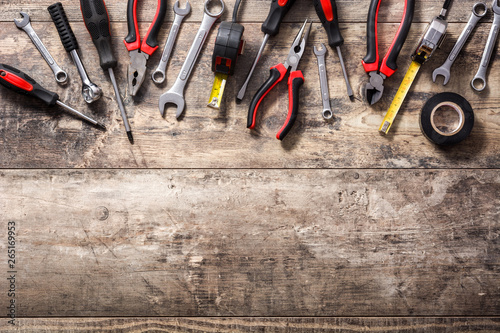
x: 60, y: 75
x: 176, y: 94
x: 478, y: 11
x: 180, y: 13
x: 323, y: 80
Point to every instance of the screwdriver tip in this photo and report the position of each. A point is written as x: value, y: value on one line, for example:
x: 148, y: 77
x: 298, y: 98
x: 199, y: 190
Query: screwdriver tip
x: 130, y: 137
x: 351, y: 97
x: 102, y: 126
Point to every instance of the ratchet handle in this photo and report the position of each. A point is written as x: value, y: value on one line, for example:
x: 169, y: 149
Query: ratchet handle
x: 295, y: 81
x: 60, y: 19
x: 371, y: 59
x: 277, y: 74
x: 96, y: 18
x: 150, y: 41
x: 327, y: 13
x: 21, y: 83
x: 279, y: 8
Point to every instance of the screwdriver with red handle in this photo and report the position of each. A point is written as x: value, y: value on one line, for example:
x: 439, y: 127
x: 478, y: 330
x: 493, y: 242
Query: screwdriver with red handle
x: 15, y: 80
x: 327, y: 13
x: 95, y: 16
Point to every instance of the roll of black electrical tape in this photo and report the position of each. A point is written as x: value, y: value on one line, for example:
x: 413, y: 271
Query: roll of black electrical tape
x: 444, y: 134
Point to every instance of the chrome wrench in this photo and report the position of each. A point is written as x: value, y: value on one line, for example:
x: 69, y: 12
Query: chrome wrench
x: 478, y: 11
x: 478, y: 83
x: 323, y: 80
x: 60, y: 75
x: 176, y: 94
x: 159, y: 74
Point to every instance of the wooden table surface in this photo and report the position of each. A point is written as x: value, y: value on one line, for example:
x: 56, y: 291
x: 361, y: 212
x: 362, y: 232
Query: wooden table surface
x: 203, y: 225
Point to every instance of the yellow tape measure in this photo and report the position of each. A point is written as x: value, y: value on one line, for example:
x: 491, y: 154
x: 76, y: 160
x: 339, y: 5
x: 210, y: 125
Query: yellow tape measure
x: 400, y: 97
x: 217, y: 90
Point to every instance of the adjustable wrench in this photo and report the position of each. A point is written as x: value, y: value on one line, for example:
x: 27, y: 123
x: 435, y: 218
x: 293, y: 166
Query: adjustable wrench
x: 478, y: 11
x: 159, y: 73
x: 325, y: 94
x: 60, y: 75
x: 176, y: 94
x: 478, y: 83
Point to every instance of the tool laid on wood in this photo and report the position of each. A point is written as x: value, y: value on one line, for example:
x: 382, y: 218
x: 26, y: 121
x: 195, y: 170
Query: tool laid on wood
x: 375, y: 87
x: 95, y: 16
x: 15, y: 80
x: 478, y: 11
x: 90, y: 91
x: 60, y: 75
x: 159, y: 74
x: 228, y: 46
x: 429, y: 42
x: 140, y: 53
x: 327, y: 13
x: 270, y: 27
x: 295, y: 81
x: 176, y: 94
x: 323, y: 80
x: 479, y: 80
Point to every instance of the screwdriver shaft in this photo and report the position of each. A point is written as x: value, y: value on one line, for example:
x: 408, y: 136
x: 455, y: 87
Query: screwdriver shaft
x: 80, y: 115
x: 120, y: 105
x: 348, y: 85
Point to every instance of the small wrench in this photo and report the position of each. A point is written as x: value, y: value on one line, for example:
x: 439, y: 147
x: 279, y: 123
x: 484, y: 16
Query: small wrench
x: 323, y: 80
x: 478, y: 11
x: 176, y: 94
x: 478, y: 83
x: 60, y: 75
x: 159, y: 73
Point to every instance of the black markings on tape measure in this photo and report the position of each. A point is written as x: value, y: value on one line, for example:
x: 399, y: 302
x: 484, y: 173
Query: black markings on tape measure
x: 446, y: 119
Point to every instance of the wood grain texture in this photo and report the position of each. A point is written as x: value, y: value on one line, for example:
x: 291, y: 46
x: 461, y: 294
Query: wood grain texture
x: 254, y: 243
x: 264, y: 325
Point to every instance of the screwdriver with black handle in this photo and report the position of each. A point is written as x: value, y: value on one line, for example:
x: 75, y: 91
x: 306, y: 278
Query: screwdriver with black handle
x: 327, y: 13
x: 21, y: 83
x: 96, y: 18
x: 270, y: 27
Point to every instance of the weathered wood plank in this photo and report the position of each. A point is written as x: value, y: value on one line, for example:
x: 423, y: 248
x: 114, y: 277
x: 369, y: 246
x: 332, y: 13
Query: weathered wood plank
x: 264, y: 325
x: 254, y: 243
x: 48, y: 139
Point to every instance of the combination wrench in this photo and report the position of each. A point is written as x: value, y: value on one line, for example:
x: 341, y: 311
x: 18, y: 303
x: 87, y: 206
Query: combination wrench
x: 478, y: 83
x: 159, y: 74
x: 176, y: 94
x: 323, y: 80
x: 478, y: 11
x: 25, y: 25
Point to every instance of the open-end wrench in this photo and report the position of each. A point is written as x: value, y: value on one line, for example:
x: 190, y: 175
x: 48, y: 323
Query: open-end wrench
x: 478, y: 11
x: 478, y: 83
x: 180, y: 13
x: 176, y: 94
x: 60, y: 75
x: 323, y: 80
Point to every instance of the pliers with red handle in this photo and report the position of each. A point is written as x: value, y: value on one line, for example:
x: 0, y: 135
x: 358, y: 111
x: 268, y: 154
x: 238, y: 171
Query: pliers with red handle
x: 375, y: 87
x: 295, y: 81
x: 140, y: 53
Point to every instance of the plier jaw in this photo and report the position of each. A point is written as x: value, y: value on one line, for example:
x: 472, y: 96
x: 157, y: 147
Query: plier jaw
x: 298, y: 47
x: 136, y: 71
x: 375, y: 87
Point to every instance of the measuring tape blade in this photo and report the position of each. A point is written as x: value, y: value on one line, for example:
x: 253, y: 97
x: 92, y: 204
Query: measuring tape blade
x: 217, y: 90
x: 400, y: 97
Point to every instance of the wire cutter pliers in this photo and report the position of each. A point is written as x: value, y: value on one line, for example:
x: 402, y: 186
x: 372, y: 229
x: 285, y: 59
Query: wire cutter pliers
x: 295, y: 81
x: 140, y: 53
x: 375, y: 87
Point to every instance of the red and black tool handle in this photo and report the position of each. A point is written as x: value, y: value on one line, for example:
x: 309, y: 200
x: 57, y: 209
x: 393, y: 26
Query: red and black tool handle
x: 150, y: 40
x: 96, y: 18
x: 15, y: 80
x: 60, y: 19
x: 327, y: 13
x: 295, y: 81
x: 278, y: 10
x: 389, y: 64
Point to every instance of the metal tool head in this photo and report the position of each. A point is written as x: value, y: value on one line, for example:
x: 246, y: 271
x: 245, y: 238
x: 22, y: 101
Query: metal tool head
x: 182, y: 11
x: 24, y: 22
x: 479, y: 9
x: 207, y: 8
x: 445, y: 72
x: 495, y: 7
x: 375, y: 87
x: 298, y: 47
x: 320, y: 52
x: 136, y: 71
x: 91, y: 93
x: 171, y: 97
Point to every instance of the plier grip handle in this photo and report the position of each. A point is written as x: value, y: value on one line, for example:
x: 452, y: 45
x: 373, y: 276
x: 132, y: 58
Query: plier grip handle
x: 295, y: 81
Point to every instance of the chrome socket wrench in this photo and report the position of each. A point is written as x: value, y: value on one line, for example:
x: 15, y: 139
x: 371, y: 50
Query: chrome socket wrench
x: 323, y: 80
x: 25, y: 24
